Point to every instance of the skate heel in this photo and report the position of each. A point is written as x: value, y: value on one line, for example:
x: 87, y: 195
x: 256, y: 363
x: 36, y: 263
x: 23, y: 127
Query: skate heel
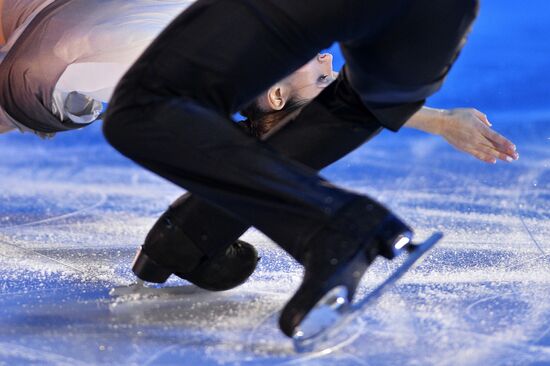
x: 319, y: 304
x: 148, y: 270
x: 394, y: 237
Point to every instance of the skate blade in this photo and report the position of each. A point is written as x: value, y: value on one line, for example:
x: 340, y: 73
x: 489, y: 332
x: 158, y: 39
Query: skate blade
x: 332, y: 314
x: 133, y: 289
x: 141, y: 290
x: 320, y: 329
x: 325, y: 313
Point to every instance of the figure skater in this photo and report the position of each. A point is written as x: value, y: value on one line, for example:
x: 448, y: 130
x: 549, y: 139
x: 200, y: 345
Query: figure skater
x: 199, y: 242
x: 81, y: 58
x: 171, y: 114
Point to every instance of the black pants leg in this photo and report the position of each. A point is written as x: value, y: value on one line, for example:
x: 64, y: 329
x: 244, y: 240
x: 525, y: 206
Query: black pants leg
x: 169, y: 113
x: 328, y: 138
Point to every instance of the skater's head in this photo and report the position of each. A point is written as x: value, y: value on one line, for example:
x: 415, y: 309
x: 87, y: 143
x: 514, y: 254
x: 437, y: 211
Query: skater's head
x: 289, y: 95
x: 309, y: 80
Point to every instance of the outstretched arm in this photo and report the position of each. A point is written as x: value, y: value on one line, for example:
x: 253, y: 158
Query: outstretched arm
x: 466, y: 129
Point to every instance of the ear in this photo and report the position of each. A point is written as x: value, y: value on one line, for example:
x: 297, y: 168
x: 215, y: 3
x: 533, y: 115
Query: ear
x: 277, y: 96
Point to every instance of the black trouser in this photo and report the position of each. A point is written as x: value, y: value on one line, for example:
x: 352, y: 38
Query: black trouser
x: 328, y: 139
x: 170, y: 111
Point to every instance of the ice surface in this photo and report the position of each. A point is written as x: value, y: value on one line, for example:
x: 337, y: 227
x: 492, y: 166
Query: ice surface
x: 74, y: 212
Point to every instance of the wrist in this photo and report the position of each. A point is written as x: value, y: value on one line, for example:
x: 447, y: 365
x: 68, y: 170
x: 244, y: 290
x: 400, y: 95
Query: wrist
x: 441, y: 120
x: 435, y: 120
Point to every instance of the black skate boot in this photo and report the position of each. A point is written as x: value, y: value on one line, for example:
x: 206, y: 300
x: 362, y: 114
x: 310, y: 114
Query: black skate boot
x: 167, y: 250
x: 335, y: 260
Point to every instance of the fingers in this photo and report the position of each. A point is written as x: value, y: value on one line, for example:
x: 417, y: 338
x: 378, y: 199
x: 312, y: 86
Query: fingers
x: 487, y: 153
x: 497, y: 138
x: 469, y: 130
x: 500, y: 153
x: 491, y: 154
x: 482, y: 117
x: 480, y: 143
x: 484, y: 157
x: 475, y: 148
x: 500, y: 143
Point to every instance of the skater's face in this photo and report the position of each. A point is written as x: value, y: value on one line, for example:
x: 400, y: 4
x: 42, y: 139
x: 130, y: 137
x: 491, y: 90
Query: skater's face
x: 304, y: 84
x: 308, y: 81
x: 286, y: 98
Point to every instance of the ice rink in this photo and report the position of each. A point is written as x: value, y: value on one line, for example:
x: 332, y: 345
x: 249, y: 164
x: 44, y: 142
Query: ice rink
x: 73, y: 212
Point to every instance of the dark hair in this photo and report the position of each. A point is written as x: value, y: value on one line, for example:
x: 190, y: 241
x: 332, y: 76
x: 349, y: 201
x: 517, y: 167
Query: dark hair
x: 259, y: 122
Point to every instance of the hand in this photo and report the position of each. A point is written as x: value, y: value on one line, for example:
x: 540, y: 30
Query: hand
x: 469, y: 130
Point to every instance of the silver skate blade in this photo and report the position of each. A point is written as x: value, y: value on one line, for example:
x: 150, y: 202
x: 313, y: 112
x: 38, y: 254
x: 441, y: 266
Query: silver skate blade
x: 140, y: 290
x: 316, y: 328
x: 320, y: 338
x: 132, y: 289
x: 324, y: 314
x: 414, y: 258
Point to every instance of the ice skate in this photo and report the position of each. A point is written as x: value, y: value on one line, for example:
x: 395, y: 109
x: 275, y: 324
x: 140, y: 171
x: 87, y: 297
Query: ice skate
x: 168, y: 250
x: 333, y: 269
x: 334, y: 312
x: 222, y: 272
